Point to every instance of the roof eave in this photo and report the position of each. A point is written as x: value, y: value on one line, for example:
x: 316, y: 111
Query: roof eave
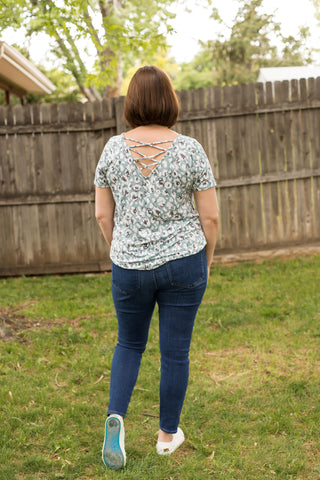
x: 20, y: 73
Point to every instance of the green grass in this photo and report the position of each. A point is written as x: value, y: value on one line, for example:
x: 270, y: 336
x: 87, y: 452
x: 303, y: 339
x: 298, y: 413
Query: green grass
x: 252, y: 408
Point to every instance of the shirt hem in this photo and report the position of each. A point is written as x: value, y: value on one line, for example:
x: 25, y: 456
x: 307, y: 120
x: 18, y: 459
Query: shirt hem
x: 153, y: 266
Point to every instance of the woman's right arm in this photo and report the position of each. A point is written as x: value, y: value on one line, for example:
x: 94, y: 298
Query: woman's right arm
x: 104, y: 212
x: 207, y: 206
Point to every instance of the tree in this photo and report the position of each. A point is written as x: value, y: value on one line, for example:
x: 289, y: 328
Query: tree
x: 237, y: 55
x: 160, y: 58
x: 188, y: 77
x: 295, y: 50
x: 316, y: 4
x: 66, y: 88
x: 107, y: 30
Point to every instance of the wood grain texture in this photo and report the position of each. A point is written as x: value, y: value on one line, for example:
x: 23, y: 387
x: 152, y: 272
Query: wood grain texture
x: 262, y: 141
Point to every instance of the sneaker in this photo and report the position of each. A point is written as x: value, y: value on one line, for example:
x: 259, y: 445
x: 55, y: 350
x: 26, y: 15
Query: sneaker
x: 166, y: 448
x: 113, y: 453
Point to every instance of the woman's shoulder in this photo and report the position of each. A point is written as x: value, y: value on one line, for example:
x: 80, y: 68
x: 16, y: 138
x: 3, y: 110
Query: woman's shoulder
x: 114, y: 140
x: 111, y: 148
x: 113, y: 144
x: 189, y: 143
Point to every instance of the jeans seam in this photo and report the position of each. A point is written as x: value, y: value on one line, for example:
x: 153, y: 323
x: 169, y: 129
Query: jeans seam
x: 125, y: 292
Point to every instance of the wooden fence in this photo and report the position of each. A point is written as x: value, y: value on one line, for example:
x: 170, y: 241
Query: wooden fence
x: 263, y: 143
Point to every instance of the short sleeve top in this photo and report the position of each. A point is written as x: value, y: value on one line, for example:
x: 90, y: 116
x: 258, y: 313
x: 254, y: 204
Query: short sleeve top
x: 155, y: 219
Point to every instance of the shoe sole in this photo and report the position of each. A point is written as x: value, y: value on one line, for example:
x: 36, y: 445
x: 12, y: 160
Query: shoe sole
x: 112, y: 454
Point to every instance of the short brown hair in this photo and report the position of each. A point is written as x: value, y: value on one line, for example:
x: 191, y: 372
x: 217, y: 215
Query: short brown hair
x: 151, y: 99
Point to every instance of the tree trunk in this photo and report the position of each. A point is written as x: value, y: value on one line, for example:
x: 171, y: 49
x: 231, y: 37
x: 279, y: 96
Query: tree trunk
x: 87, y: 93
x: 113, y: 90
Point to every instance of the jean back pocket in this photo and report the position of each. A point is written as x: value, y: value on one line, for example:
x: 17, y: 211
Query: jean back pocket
x: 125, y: 280
x: 188, y: 272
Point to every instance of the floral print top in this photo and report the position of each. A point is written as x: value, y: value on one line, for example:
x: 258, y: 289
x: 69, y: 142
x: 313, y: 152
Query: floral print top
x: 155, y: 219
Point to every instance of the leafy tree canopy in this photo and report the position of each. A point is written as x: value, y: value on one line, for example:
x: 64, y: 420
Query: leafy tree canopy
x: 237, y: 55
x: 121, y: 35
x: 106, y: 30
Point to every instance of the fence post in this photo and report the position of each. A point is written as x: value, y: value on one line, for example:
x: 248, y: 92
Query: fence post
x: 121, y: 125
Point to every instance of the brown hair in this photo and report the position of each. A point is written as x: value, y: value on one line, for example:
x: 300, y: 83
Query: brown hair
x: 151, y: 99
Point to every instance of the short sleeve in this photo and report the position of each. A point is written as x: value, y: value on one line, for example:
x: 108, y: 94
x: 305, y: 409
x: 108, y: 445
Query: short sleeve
x: 100, y: 179
x: 203, y: 176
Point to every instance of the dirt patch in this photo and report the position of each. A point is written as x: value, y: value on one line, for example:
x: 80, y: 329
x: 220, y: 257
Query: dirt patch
x: 12, y: 322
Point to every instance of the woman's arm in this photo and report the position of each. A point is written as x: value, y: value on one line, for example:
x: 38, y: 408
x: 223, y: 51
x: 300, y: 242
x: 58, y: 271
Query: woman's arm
x: 207, y: 206
x: 104, y: 212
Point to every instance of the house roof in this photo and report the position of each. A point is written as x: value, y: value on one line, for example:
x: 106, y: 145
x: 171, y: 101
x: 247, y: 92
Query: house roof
x: 275, y: 74
x: 18, y: 75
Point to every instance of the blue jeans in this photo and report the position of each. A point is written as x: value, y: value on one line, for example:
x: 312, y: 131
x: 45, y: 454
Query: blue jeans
x: 177, y: 287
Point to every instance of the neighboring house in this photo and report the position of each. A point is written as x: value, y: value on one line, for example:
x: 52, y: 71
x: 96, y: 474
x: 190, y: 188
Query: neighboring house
x: 279, y: 74
x: 19, y: 76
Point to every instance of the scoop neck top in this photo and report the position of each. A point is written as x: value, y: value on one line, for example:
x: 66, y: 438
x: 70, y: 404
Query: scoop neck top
x: 155, y: 219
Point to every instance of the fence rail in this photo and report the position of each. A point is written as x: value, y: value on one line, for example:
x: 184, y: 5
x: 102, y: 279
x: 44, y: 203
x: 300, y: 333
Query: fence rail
x: 262, y: 141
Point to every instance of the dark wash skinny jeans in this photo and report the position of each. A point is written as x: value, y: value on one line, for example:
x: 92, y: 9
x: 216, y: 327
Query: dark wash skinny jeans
x: 177, y: 287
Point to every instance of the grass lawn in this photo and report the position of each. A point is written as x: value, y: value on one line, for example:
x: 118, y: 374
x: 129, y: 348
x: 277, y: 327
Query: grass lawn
x: 252, y: 409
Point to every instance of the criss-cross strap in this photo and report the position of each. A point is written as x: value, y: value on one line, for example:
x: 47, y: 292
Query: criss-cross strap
x: 152, y: 159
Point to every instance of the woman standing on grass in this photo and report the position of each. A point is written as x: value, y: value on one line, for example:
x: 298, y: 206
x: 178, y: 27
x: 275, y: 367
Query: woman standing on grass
x: 161, y: 249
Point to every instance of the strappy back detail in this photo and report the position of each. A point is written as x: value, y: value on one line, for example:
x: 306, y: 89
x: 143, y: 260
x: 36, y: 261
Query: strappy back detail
x: 147, y: 163
x: 155, y: 220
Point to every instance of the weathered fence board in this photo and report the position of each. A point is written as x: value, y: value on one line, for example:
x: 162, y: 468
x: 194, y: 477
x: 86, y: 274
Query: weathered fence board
x: 263, y: 143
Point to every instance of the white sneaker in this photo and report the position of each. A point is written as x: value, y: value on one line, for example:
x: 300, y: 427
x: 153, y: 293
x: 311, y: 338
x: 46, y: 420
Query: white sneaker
x: 166, y: 448
x: 113, y: 452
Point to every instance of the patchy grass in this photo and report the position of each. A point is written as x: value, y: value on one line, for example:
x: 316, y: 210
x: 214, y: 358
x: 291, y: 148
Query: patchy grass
x: 252, y: 408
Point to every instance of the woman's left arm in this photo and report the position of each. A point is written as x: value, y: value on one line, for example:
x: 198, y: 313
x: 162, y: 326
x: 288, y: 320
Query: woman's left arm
x: 104, y: 212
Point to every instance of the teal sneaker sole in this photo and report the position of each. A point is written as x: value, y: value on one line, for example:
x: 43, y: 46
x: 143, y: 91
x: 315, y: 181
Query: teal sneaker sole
x: 112, y: 455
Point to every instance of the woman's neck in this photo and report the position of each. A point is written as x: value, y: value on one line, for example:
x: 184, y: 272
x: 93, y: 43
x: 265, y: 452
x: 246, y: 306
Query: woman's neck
x: 151, y: 132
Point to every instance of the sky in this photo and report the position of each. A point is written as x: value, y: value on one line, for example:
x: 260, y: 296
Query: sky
x: 197, y: 25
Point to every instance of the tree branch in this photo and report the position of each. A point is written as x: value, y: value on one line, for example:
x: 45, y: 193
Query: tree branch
x: 93, y: 32
x: 103, y: 9
x: 78, y: 76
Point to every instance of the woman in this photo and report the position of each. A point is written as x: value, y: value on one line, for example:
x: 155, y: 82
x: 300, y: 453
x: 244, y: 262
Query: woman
x: 162, y: 244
